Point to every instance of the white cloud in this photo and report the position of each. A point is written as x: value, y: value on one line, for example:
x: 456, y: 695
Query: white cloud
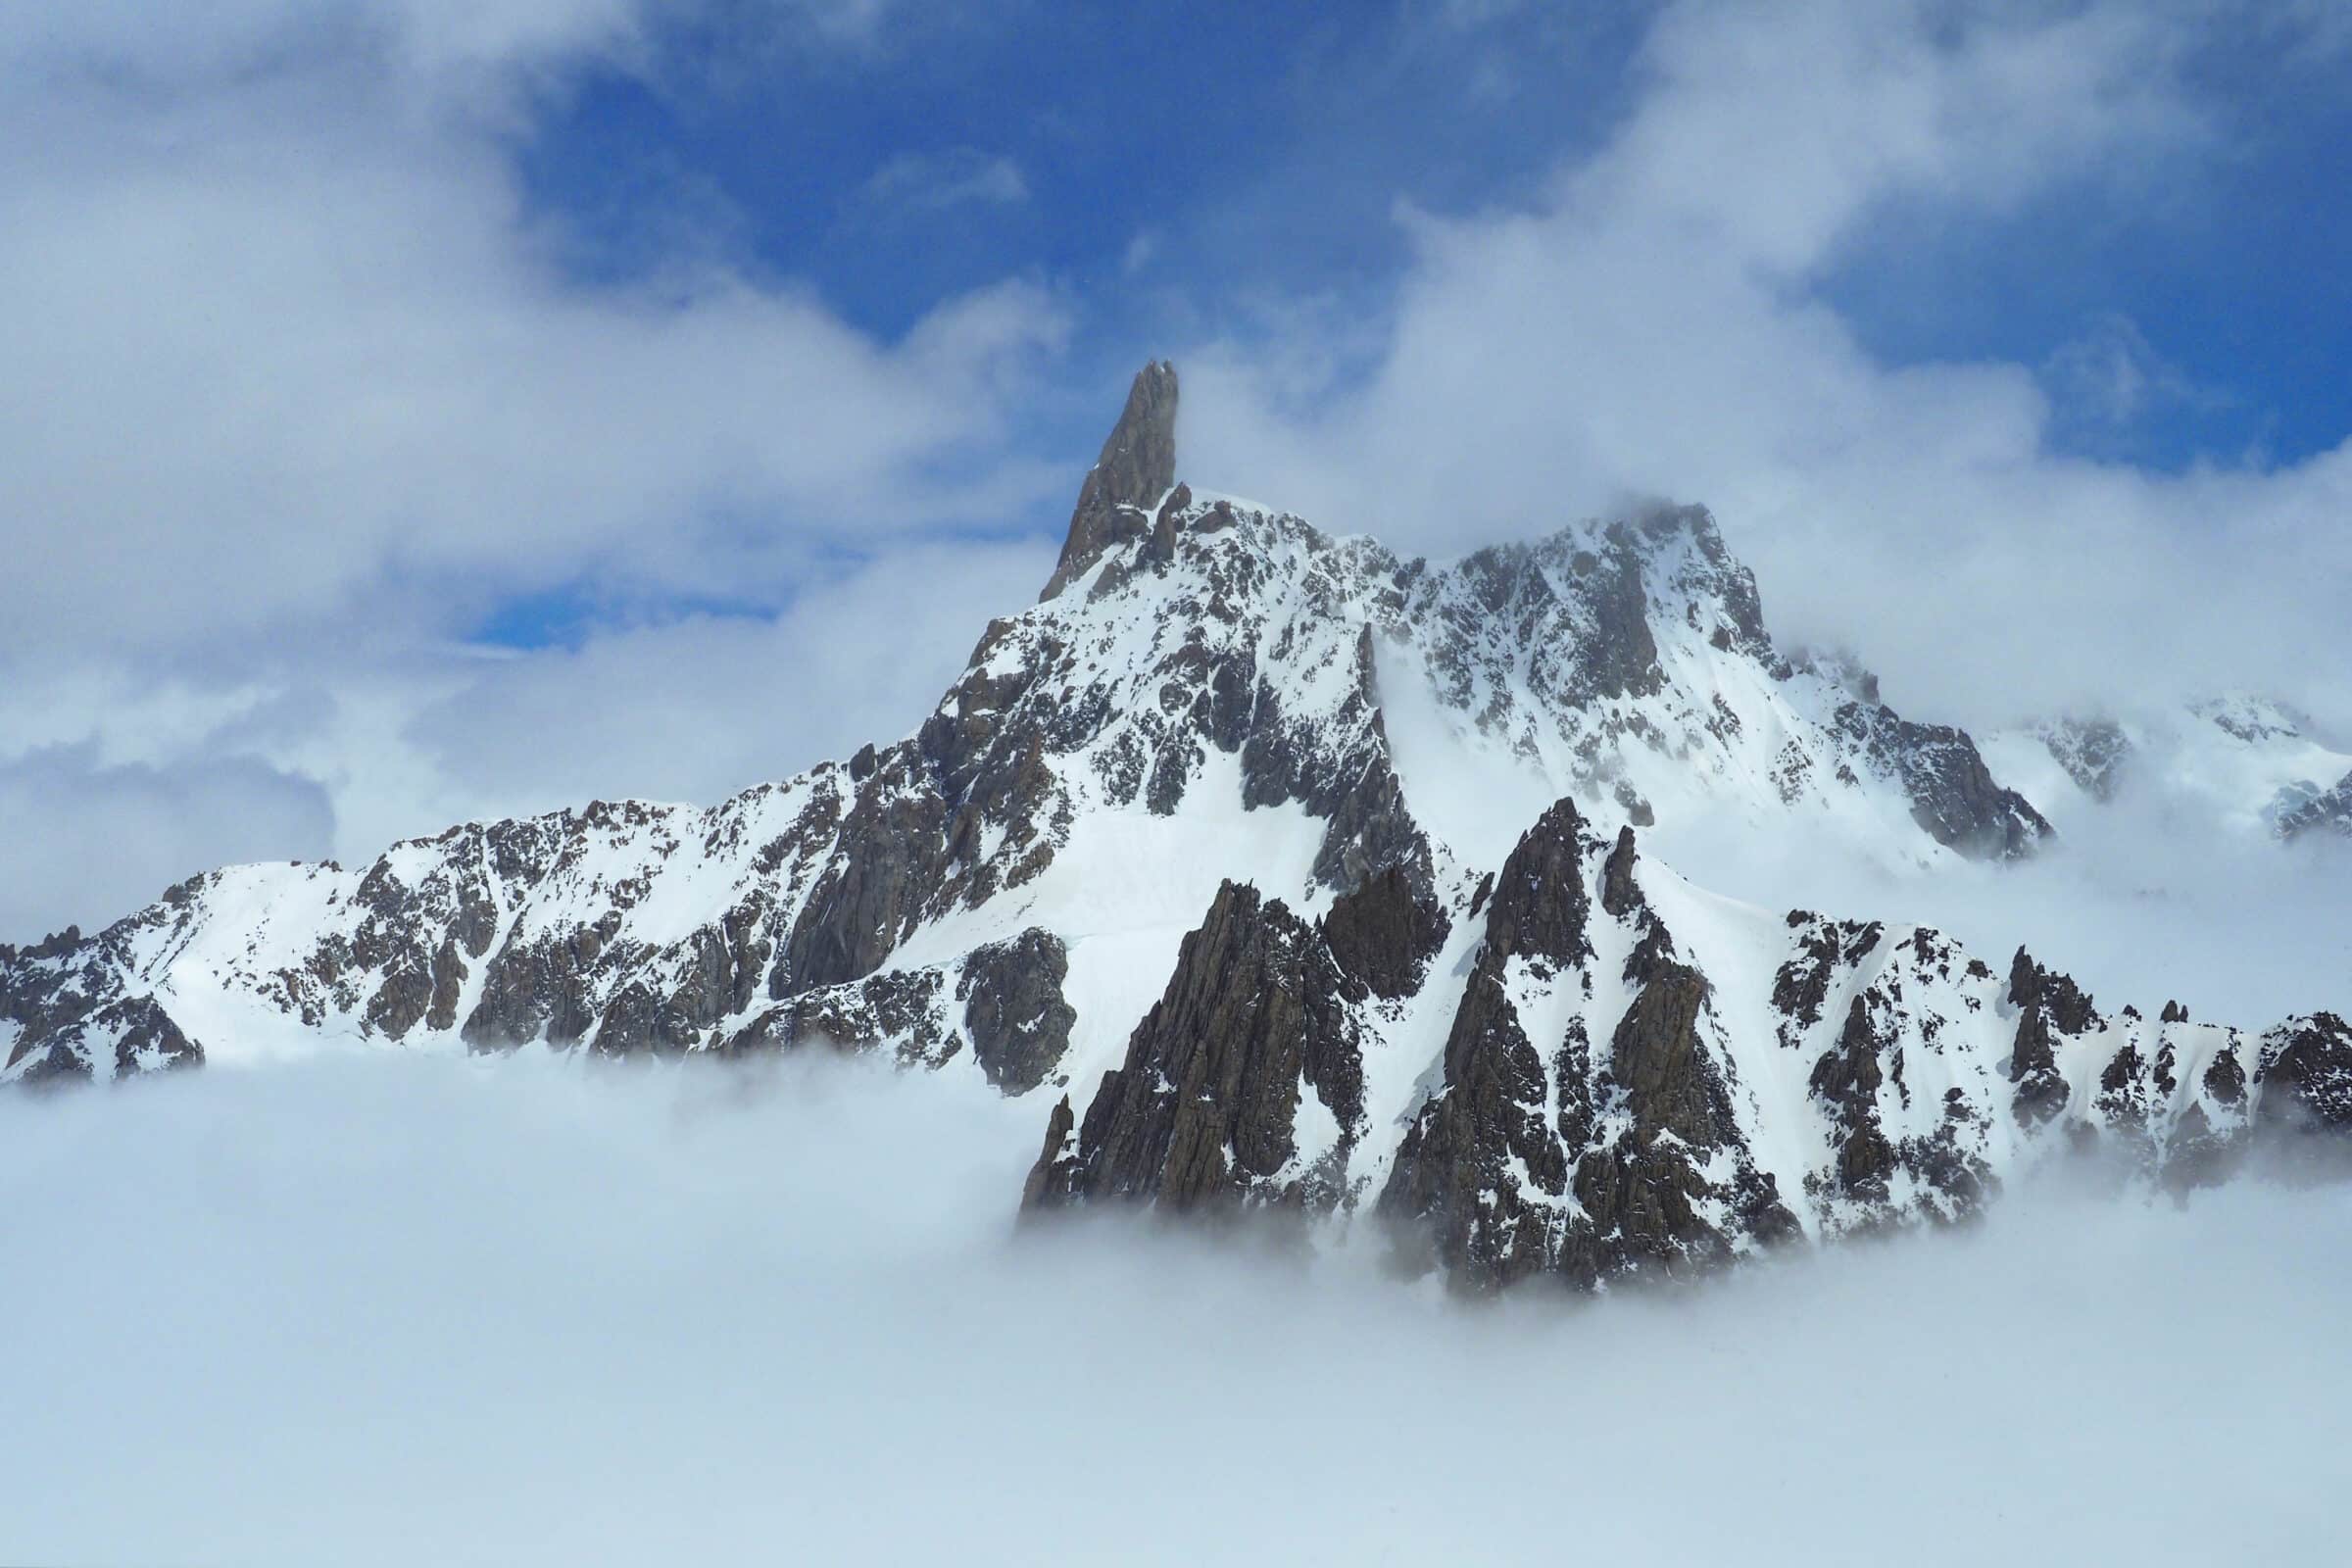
x: 250, y: 389
x: 297, y: 390
x: 2113, y: 375
x: 698, y: 708
x: 286, y: 350
x: 402, y: 1309
x: 90, y: 841
x: 1655, y: 325
x: 136, y: 780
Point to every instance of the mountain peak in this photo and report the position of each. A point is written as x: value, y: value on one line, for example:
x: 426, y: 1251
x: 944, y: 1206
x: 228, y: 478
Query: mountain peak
x: 1137, y: 467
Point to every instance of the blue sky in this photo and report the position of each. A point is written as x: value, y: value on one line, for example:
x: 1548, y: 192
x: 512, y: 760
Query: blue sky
x: 431, y: 408
x: 1169, y: 168
x: 1172, y: 173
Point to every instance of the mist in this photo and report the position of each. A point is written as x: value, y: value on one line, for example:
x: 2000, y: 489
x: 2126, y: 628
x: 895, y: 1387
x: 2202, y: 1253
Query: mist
x: 403, y: 1308
x: 2138, y: 903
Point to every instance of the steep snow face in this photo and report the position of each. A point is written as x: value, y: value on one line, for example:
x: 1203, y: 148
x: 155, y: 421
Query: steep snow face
x: 2244, y: 764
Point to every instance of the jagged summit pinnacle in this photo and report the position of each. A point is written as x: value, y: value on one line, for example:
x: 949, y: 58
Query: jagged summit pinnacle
x: 1138, y: 467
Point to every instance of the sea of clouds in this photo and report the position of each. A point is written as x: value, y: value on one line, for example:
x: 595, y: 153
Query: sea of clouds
x: 398, y: 1309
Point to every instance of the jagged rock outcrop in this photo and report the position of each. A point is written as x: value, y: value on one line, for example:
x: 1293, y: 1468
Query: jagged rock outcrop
x: 1138, y: 467
x: 2048, y: 1005
x: 1203, y: 1113
x: 1013, y: 1009
x: 2306, y: 1080
x: 1636, y: 1080
x: 1384, y: 933
x: 2326, y: 812
x: 1556, y: 1158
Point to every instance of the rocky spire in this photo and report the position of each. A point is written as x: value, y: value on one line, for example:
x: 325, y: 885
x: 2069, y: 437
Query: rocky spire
x: 1138, y: 467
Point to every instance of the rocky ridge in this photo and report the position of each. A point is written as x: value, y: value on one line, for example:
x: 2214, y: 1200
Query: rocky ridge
x: 1608, y: 1073
x: 1196, y: 666
x: 1558, y: 1060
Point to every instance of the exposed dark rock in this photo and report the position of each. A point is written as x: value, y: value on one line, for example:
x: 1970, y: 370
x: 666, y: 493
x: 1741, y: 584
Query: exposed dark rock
x: 1452, y: 1186
x: 1137, y: 467
x: 2329, y: 810
x: 1359, y: 795
x: 1014, y: 1011
x: 1847, y: 1079
x: 2306, y: 1077
x: 901, y: 1008
x: 1618, y: 893
x: 2226, y: 1079
x: 68, y: 1039
x: 1954, y: 797
x: 1493, y: 1190
x: 2048, y: 1004
x: 1383, y: 934
x: 1492, y: 1110
x: 891, y: 858
x: 1202, y: 1113
x: 1539, y: 907
x: 1050, y: 1181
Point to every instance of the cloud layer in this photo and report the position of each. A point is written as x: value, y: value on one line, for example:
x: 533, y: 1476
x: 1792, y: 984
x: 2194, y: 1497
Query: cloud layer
x: 398, y: 1309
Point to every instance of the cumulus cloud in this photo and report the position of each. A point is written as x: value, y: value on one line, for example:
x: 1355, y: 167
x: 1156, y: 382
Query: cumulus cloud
x: 300, y: 389
x: 288, y: 352
x: 148, y: 828
x: 135, y: 781
x: 697, y: 709
x: 394, y: 1308
x: 1659, y: 323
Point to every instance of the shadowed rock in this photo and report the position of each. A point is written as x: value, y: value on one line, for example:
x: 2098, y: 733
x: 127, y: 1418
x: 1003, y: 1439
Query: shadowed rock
x: 1138, y: 467
x: 1202, y: 1113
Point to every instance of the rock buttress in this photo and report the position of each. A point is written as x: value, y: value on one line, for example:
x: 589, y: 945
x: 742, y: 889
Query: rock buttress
x: 1202, y: 1113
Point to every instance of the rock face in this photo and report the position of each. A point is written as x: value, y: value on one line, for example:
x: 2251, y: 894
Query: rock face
x: 1138, y: 467
x: 1592, y: 1080
x: 2327, y: 811
x: 1567, y: 1160
x: 1255, y: 1024
x: 1013, y: 1010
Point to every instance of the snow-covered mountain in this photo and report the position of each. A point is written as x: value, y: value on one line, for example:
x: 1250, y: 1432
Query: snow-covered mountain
x: 1228, y: 837
x: 1594, y: 1068
x: 2243, y: 764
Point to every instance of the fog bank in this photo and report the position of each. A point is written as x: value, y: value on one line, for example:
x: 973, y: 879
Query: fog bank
x: 410, y: 1310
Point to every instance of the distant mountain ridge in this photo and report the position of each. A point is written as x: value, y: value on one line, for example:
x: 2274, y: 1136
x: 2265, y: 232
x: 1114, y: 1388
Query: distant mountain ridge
x: 1224, y: 744
x: 2245, y: 763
